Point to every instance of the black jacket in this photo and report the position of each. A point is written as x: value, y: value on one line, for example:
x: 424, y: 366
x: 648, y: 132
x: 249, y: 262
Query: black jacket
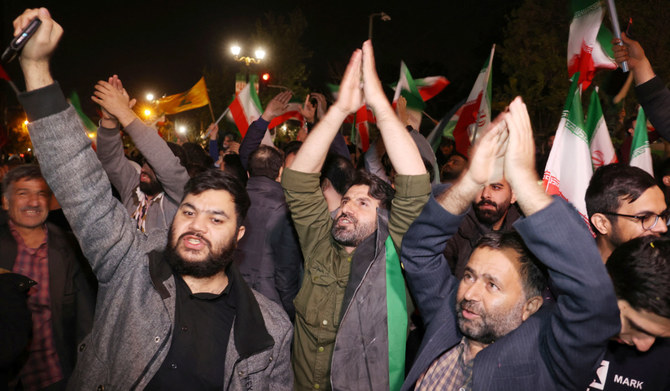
x: 71, y: 290
x: 269, y: 255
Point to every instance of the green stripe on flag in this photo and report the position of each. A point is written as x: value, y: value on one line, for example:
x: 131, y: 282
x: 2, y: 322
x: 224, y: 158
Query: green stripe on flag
x: 640, y: 139
x: 90, y: 126
x: 396, y: 320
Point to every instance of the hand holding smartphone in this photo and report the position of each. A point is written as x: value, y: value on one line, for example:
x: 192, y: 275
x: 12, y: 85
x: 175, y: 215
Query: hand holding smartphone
x: 20, y: 40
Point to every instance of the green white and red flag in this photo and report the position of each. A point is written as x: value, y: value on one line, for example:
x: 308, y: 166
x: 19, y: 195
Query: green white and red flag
x: 476, y: 112
x: 589, y: 43
x: 640, y: 152
x: 602, y: 150
x: 568, y: 170
x: 417, y: 91
x: 246, y: 108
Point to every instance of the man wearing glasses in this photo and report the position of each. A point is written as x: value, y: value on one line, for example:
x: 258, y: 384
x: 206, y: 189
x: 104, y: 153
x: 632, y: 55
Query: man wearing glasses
x: 628, y: 213
x: 624, y: 203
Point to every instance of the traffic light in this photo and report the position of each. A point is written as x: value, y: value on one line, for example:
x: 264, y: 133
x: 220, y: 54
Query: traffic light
x: 265, y: 79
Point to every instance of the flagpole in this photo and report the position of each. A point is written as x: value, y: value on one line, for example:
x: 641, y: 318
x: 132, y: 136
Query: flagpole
x: 211, y: 112
x: 614, y: 18
x: 217, y: 121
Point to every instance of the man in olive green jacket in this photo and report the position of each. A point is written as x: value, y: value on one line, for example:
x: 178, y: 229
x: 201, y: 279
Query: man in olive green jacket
x: 341, y: 338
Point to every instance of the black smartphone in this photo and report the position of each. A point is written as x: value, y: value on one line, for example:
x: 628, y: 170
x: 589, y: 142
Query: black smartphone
x: 20, y: 41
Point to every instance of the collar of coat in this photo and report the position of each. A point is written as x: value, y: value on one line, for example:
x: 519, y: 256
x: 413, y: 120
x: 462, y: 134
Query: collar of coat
x: 251, y: 336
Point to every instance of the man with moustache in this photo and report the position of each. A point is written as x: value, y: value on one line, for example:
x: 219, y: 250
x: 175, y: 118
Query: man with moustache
x: 152, y: 196
x: 494, y: 209
x: 492, y: 330
x: 342, y: 338
x: 179, y: 317
x: 62, y: 302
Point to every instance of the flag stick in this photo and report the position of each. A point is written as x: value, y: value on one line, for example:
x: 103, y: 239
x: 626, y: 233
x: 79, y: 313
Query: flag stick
x: 211, y: 112
x: 216, y: 122
x: 617, y: 30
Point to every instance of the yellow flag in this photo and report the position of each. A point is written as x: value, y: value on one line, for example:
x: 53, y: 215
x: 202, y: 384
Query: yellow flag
x: 191, y: 99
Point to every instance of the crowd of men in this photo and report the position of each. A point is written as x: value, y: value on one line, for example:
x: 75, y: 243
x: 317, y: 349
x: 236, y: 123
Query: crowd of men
x: 290, y: 269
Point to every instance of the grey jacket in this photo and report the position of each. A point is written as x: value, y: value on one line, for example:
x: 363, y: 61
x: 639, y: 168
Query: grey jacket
x: 136, y: 298
x: 123, y: 175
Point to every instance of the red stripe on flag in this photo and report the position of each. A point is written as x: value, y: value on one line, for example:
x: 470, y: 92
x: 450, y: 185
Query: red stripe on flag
x: 468, y: 116
x: 285, y: 117
x: 428, y: 92
x: 240, y: 118
x: 3, y: 74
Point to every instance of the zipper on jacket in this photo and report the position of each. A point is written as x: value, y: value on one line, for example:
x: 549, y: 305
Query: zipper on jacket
x: 153, y: 359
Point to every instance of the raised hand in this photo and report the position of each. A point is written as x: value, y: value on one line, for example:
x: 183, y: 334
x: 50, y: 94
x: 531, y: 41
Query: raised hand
x: 277, y: 106
x: 213, y: 130
x: 114, y: 100
x: 633, y: 52
x: 520, y: 160
x: 350, y: 97
x: 491, y: 147
x: 35, y: 55
x: 322, y: 104
x: 308, y: 110
x: 372, y: 86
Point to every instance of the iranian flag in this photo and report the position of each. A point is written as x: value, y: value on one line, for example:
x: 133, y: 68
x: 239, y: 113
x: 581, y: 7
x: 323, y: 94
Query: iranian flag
x: 569, y: 169
x: 475, y: 114
x: 589, y: 43
x: 602, y: 150
x: 640, y: 153
x: 246, y: 108
x: 417, y: 91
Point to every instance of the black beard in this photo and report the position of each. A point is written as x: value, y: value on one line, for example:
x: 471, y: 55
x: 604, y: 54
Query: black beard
x: 349, y: 238
x: 213, y: 264
x: 151, y: 188
x: 489, y: 217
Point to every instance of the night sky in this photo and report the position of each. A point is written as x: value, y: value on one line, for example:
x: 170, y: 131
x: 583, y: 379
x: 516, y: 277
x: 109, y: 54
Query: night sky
x: 163, y: 46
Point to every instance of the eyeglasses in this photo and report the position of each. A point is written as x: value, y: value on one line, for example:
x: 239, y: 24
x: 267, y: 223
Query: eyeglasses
x: 648, y: 220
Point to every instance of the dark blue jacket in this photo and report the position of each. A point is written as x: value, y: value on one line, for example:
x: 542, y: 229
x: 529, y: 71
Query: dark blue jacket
x: 557, y: 348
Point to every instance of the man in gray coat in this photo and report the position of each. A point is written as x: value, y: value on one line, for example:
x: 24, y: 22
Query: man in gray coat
x: 152, y: 195
x: 179, y: 317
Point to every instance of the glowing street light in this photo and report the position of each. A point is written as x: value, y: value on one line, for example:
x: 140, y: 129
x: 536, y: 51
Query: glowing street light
x: 259, y: 54
x: 181, y: 129
x: 150, y: 96
x: 147, y: 112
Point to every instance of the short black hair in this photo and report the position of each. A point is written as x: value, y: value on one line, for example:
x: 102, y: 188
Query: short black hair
x: 265, y: 161
x: 24, y: 171
x: 379, y: 189
x: 339, y: 171
x: 640, y: 272
x: 215, y: 179
x: 612, y: 184
x: 532, y: 272
x: 292, y: 147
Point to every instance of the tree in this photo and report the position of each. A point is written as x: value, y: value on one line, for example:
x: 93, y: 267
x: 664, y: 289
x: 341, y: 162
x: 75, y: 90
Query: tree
x: 534, y: 61
x: 285, y: 61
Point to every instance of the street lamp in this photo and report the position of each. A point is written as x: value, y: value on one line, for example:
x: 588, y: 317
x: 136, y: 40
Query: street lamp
x: 259, y: 54
x: 181, y: 129
x: 384, y: 17
x: 150, y: 96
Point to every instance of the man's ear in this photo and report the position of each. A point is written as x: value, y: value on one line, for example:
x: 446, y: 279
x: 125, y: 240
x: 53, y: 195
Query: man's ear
x: 281, y: 171
x: 513, y: 199
x: 602, y: 223
x: 666, y: 180
x: 5, y: 203
x: 532, y: 305
x: 240, y: 232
